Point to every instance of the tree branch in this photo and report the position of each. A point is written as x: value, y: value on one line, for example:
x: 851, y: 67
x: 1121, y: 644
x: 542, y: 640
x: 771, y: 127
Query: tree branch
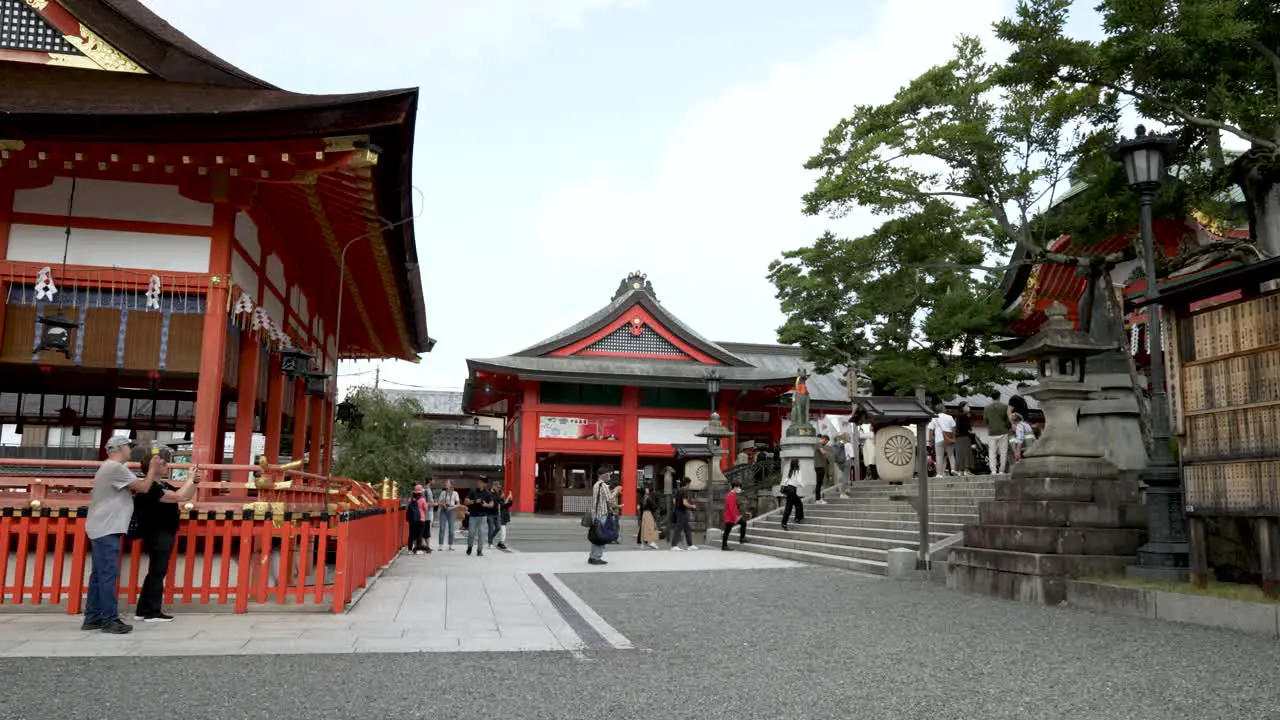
x: 1177, y: 110
x: 1274, y: 57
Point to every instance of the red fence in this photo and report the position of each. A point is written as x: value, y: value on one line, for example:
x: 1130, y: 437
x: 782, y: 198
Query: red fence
x: 258, y: 554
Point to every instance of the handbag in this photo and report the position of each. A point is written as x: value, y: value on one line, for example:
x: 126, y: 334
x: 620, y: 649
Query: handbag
x: 607, y: 531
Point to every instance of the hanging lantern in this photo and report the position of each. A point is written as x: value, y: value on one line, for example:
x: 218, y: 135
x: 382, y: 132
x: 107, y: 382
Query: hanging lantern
x: 56, y: 335
x: 346, y: 411
x: 315, y: 384
x: 294, y: 362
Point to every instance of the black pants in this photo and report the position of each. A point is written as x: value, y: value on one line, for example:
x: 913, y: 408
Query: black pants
x: 158, y: 546
x: 417, y: 537
x: 817, y: 491
x: 679, y: 524
x: 793, y: 501
x: 728, y: 527
x: 495, y: 524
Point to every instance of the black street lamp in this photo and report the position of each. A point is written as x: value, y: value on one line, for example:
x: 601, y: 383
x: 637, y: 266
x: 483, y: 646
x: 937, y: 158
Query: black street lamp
x: 1166, y: 555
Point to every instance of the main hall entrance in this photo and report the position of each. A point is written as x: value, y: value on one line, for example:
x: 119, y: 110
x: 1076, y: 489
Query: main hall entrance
x: 563, y: 481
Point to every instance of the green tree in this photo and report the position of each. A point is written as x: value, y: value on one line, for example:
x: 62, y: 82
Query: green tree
x: 959, y: 165
x: 1203, y: 67
x: 388, y: 442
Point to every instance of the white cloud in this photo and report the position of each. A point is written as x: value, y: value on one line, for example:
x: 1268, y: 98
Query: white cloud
x: 723, y: 198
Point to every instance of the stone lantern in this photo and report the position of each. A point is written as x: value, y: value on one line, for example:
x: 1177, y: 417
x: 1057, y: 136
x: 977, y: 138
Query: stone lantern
x: 1059, y: 352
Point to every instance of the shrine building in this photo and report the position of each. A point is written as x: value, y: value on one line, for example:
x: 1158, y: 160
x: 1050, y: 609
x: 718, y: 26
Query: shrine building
x: 628, y: 386
x: 186, y: 251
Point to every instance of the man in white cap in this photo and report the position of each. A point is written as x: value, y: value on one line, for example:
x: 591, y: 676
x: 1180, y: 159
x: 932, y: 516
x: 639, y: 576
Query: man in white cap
x: 110, y: 509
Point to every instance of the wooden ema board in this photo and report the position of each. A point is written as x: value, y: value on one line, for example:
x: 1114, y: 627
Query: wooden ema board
x: 1229, y: 368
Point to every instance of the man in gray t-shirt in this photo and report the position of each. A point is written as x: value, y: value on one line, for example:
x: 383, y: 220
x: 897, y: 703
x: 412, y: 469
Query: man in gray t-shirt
x: 110, y: 510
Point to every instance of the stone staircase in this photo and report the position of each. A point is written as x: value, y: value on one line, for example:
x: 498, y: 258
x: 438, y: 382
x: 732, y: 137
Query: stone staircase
x: 856, y: 533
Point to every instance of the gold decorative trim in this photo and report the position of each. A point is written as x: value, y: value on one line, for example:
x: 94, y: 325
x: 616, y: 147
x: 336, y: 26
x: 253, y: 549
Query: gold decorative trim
x: 38, y: 4
x: 363, y: 158
x: 383, y: 261
x: 12, y: 144
x: 76, y: 61
x: 344, y: 143
x: 105, y: 56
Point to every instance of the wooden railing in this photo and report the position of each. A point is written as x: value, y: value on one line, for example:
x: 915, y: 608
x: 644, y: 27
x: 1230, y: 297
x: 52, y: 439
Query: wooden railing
x: 290, y: 538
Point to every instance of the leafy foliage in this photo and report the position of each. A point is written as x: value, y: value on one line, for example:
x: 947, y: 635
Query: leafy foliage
x: 958, y: 164
x: 390, y: 442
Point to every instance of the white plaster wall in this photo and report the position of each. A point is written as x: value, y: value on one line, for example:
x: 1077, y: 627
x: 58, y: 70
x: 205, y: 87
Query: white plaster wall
x: 669, y: 430
x: 247, y: 237
x: 109, y: 248
x: 274, y: 308
x: 113, y: 200
x: 275, y: 274
x: 245, y: 277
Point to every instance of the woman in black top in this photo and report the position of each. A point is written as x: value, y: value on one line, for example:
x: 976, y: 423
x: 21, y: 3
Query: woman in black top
x: 156, y: 512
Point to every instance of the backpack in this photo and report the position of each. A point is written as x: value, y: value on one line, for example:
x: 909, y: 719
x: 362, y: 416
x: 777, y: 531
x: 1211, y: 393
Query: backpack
x: 839, y: 456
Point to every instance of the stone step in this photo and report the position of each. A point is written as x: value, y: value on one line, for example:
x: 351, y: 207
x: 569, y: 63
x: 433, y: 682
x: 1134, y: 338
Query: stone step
x: 871, y: 567
x: 814, y: 543
x: 895, y: 510
x: 1054, y: 540
x: 849, y: 522
x: 824, y: 535
x: 894, y: 506
x: 880, y: 538
x: 906, y: 514
x: 1075, y: 566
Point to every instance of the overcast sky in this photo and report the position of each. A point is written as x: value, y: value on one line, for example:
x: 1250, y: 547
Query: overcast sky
x: 564, y: 143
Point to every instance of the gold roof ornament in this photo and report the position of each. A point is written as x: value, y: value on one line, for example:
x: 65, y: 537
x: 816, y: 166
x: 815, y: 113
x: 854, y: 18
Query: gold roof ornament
x: 102, y: 54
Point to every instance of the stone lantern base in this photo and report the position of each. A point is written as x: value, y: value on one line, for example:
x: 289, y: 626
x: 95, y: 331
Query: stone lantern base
x: 1065, y: 513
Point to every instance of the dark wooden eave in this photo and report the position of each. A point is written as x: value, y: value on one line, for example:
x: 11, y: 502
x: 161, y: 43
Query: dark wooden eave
x: 158, y: 47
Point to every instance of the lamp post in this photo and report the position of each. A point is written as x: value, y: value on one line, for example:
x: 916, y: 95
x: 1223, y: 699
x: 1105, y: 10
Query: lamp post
x: 1165, y: 556
x: 715, y: 433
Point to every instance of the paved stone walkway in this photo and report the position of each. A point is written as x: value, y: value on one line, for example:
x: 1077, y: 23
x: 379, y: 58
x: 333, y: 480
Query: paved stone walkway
x: 443, y: 602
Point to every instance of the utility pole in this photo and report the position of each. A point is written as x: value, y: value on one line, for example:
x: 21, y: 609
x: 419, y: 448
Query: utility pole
x: 377, y: 376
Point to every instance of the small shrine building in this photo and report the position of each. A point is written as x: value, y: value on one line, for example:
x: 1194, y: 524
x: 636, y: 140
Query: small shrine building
x: 628, y: 387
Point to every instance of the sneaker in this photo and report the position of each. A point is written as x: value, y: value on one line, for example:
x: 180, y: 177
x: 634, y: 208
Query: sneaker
x: 725, y: 547
x: 479, y: 554
x: 115, y: 627
x: 502, y: 546
x: 91, y: 625
x: 822, y: 502
x: 158, y: 618
x: 844, y: 496
x: 652, y: 545
x: 693, y: 547
x: 450, y: 548
x: 468, y: 549
x: 596, y: 561
x: 675, y: 548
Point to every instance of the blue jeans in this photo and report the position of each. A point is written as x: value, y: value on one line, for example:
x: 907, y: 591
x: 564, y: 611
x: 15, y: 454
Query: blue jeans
x: 103, y: 602
x: 477, y: 531
x: 448, y: 519
x: 597, y: 551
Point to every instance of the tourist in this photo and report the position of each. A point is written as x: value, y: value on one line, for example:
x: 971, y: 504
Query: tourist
x: 498, y: 522
x: 996, y: 417
x: 791, y: 492
x: 821, y: 465
x: 842, y: 456
x: 648, y: 534
x: 1018, y: 404
x: 156, y: 517
x: 448, y: 505
x: 479, y: 505
x: 964, y: 440
x: 428, y: 493
x: 944, y: 441
x: 1023, y: 437
x: 417, y: 512
x: 684, y: 505
x: 603, y: 528
x: 733, y: 516
x: 110, y: 510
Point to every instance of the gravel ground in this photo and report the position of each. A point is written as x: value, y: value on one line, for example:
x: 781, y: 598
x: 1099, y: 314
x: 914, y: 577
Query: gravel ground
x: 804, y: 643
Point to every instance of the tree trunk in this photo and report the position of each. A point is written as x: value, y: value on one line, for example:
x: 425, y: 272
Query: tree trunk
x: 1257, y: 172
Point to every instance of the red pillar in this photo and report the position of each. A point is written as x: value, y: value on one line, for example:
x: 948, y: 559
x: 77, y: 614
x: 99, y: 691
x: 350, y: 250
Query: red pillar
x: 630, y: 449
x: 299, y: 421
x: 246, y: 402
x: 6, y: 206
x: 527, y: 480
x: 273, y: 428
x: 213, y: 342
x: 319, y: 415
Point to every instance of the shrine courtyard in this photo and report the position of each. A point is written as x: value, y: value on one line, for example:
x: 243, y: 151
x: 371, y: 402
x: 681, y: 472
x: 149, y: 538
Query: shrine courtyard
x: 725, y: 635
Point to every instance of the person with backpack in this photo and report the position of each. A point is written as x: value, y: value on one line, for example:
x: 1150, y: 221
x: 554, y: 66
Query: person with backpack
x: 498, y: 523
x: 684, y: 505
x: 840, y: 458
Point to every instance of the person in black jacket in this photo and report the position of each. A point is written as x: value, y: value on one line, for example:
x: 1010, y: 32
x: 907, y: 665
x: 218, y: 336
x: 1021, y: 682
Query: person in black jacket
x: 157, y: 513
x: 498, y: 521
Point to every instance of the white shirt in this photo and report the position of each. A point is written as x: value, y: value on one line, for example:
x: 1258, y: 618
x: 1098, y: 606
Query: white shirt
x: 942, y: 424
x: 1022, y: 432
x: 449, y: 498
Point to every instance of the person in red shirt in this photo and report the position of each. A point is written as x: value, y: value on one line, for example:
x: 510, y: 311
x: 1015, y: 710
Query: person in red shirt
x: 733, y: 516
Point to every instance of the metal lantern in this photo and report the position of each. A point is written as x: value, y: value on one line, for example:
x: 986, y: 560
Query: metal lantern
x: 346, y: 411
x: 294, y: 363
x: 316, y: 384
x: 56, y: 335
x: 1144, y: 158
